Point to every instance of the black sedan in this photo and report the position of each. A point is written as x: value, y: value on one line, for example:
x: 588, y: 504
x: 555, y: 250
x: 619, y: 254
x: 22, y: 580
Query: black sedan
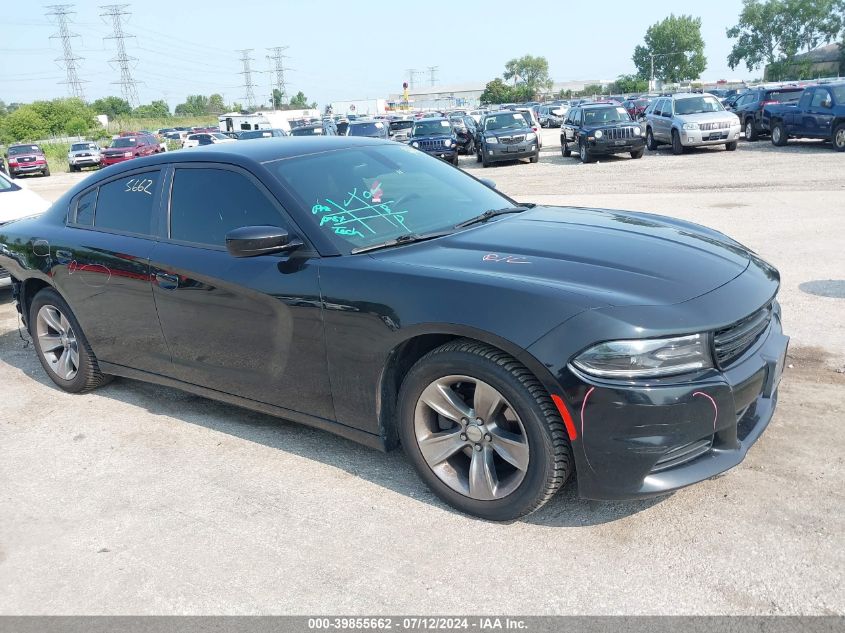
x: 362, y: 287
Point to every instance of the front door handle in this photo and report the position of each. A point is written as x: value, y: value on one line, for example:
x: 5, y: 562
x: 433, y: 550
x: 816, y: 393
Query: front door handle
x: 166, y: 281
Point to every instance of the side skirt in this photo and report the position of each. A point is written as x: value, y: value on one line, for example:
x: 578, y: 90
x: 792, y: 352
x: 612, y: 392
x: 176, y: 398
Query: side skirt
x: 362, y: 437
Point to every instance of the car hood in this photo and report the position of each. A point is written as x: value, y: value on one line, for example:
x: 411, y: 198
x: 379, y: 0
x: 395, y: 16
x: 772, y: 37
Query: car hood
x: 22, y: 203
x: 608, y: 257
x: 79, y: 152
x: 706, y: 117
x: 431, y: 137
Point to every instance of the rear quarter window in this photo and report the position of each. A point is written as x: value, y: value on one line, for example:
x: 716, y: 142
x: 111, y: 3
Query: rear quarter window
x: 126, y: 205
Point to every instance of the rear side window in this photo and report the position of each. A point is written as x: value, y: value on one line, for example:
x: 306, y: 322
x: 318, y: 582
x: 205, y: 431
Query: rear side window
x: 208, y: 203
x: 126, y: 205
x: 85, y: 208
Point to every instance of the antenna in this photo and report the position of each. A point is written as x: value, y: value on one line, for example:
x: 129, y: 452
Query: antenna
x: 432, y: 75
x: 128, y: 86
x: 61, y: 13
x: 278, y: 58
x: 249, y: 87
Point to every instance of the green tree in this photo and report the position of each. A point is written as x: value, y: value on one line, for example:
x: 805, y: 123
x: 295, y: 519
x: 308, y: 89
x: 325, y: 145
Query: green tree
x: 592, y: 89
x: 277, y: 99
x: 774, y: 31
x: 195, y: 105
x: 3, y: 109
x: 676, y: 48
x: 628, y: 84
x: 497, y: 91
x: 299, y: 101
x: 155, y: 110
x: 59, y: 113
x: 530, y: 72
x: 216, y: 104
x: 112, y: 107
x: 24, y: 124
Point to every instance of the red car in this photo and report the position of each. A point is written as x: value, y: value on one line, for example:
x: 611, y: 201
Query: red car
x: 26, y: 159
x: 636, y: 107
x: 129, y: 147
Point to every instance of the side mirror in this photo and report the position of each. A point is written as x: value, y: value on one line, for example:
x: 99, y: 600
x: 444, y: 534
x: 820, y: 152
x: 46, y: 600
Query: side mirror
x: 250, y: 241
x: 827, y: 103
x: 488, y: 183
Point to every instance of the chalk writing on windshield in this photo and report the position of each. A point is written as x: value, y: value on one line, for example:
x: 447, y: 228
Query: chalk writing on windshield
x: 358, y: 211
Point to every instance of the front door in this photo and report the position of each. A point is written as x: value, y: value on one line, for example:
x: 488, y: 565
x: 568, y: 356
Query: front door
x: 251, y: 327
x: 821, y: 114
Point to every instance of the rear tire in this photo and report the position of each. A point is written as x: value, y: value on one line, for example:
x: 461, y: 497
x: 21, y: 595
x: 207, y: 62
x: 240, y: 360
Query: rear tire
x: 478, y: 151
x: 677, y: 146
x: 521, y: 409
x: 61, y: 345
x: 779, y: 137
x: 838, y: 138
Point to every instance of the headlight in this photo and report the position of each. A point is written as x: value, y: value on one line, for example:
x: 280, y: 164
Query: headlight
x: 127, y: 154
x: 598, y: 134
x: 638, y: 131
x: 415, y: 144
x: 690, y: 126
x: 530, y: 137
x: 492, y: 139
x: 646, y: 358
x: 447, y: 143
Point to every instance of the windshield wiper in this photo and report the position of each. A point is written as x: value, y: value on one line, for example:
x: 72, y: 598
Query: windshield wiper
x: 490, y: 214
x: 402, y: 239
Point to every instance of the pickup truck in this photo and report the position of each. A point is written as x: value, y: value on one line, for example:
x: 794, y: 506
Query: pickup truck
x: 819, y: 113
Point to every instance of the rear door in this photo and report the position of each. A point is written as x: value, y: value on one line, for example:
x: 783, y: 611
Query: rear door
x: 251, y: 327
x: 104, y: 269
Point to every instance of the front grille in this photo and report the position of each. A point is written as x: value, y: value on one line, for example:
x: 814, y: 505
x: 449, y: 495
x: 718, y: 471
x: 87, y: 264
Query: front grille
x: 27, y: 159
x: 429, y: 146
x: 683, y: 454
x: 4, y: 274
x: 619, y: 133
x: 732, y: 341
x: 512, y: 140
x: 715, y: 125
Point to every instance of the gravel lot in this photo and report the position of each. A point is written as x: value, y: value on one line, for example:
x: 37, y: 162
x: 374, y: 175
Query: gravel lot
x: 139, y: 499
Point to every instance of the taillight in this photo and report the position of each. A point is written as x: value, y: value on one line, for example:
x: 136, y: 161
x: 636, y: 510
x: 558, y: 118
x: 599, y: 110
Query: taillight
x: 765, y: 103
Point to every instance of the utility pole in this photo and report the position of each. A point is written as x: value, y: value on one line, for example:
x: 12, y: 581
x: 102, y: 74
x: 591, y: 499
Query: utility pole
x: 128, y: 85
x: 432, y: 75
x: 61, y: 13
x: 249, y: 87
x: 278, y: 58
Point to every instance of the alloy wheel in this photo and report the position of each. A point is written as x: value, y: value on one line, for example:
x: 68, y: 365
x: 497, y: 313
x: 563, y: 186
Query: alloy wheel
x: 776, y: 135
x: 57, y: 342
x: 839, y: 140
x: 471, y: 437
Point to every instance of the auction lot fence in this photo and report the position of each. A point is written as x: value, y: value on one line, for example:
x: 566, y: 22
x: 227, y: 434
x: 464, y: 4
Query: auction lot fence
x: 485, y: 624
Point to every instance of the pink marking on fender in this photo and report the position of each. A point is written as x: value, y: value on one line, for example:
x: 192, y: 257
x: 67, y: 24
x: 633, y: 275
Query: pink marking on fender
x: 713, y: 402
x: 584, y: 406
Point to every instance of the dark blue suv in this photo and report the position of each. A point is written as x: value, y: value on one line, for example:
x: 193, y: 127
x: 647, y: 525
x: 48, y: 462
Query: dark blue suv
x: 435, y: 137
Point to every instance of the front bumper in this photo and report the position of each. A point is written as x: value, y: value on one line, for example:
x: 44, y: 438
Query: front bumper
x: 114, y: 160
x: 637, y: 440
x: 447, y: 154
x: 700, y: 138
x: 84, y: 161
x: 606, y: 147
x: 27, y: 168
x: 501, y: 152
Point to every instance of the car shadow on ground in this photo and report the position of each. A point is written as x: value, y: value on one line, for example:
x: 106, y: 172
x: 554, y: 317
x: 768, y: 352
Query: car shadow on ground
x: 389, y: 470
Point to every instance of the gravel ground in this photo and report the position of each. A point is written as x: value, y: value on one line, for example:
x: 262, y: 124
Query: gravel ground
x: 140, y: 499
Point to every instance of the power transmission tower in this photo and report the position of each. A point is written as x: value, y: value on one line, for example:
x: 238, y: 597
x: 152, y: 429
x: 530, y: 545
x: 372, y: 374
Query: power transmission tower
x: 249, y: 87
x: 278, y: 58
x: 128, y: 86
x: 432, y: 74
x: 61, y: 13
x: 412, y: 77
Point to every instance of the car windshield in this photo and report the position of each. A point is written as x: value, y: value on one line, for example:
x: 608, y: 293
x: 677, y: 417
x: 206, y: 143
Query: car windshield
x: 505, y: 121
x: 838, y: 93
x: 401, y: 125
x: 432, y: 128
x: 697, y: 105
x: 17, y: 150
x: 222, y: 137
x: 78, y: 147
x: 609, y: 114
x: 365, y: 129
x: 363, y: 196
x: 125, y: 141
x: 307, y: 131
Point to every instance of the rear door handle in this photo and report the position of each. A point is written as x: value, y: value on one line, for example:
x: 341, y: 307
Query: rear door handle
x: 166, y: 281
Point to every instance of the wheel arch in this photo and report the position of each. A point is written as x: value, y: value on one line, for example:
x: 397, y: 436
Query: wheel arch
x: 419, y: 342
x: 28, y: 289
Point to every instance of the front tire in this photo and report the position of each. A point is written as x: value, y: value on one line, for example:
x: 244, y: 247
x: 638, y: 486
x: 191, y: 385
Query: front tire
x: 482, y: 432
x: 731, y: 147
x: 637, y: 154
x: 584, y: 153
x: 535, y: 158
x: 677, y: 146
x: 61, y: 345
x: 46, y: 172
x: 750, y: 132
x: 650, y: 143
x: 564, y: 149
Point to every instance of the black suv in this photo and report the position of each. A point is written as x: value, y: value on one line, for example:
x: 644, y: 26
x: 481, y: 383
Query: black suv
x: 435, y: 137
x: 503, y: 136
x: 595, y: 129
x: 749, y: 107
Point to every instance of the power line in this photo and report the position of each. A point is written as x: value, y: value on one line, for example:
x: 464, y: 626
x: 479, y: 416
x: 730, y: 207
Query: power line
x: 128, y: 85
x: 432, y: 74
x: 278, y: 58
x: 61, y: 13
x: 248, y: 86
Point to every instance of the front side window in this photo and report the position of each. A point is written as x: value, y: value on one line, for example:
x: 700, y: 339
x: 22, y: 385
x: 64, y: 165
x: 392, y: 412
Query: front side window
x: 206, y: 204
x: 819, y: 97
x: 127, y: 204
x: 363, y: 196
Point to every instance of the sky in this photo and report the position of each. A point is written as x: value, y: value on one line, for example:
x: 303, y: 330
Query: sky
x: 336, y: 53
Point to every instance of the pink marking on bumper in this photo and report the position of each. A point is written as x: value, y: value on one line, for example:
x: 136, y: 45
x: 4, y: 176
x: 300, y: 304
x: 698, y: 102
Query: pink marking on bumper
x: 713, y: 402
x: 584, y: 406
